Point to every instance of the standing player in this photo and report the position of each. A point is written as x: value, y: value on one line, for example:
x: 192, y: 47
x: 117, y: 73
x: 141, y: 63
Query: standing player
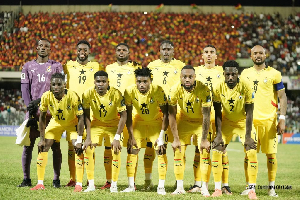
x: 267, y: 84
x: 148, y: 99
x: 121, y: 76
x: 35, y: 80
x: 210, y: 74
x: 80, y: 76
x: 105, y: 102
x: 166, y: 72
x: 234, y: 104
x: 67, y: 114
x: 194, y: 100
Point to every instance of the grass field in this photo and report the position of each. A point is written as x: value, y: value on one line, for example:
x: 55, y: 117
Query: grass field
x: 11, y: 175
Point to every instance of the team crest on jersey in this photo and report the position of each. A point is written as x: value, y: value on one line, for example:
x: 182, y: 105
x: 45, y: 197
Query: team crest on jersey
x: 91, y: 69
x: 266, y: 80
x: 169, y: 97
x: 68, y: 107
x: 129, y: 72
x: 151, y: 100
x: 240, y: 97
x: 218, y: 76
x: 49, y: 69
x: 175, y: 72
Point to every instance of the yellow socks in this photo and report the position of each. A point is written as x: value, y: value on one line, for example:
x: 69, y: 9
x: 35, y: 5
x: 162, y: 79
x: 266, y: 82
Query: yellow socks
x: 149, y: 157
x: 179, y: 163
x: 42, y: 160
x: 204, y: 166
x: 196, y: 167
x: 272, y: 166
x: 116, y: 165
x: 225, y: 173
x: 71, y: 161
x: 246, y: 168
x: 162, y: 166
x: 252, y: 166
x: 79, y: 167
x: 89, y: 163
x: 107, y: 163
x: 217, y: 166
x: 131, y: 164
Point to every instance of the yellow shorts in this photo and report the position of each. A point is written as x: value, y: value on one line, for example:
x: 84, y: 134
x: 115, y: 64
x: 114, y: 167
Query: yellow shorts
x: 54, y: 130
x: 267, y: 136
x: 230, y: 128
x: 187, y: 130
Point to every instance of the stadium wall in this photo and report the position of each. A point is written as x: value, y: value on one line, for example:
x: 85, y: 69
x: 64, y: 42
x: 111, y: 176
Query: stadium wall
x: 284, y: 11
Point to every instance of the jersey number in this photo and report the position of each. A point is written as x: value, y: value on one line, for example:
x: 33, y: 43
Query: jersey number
x: 60, y: 117
x: 41, y: 78
x: 104, y: 111
x: 231, y: 107
x: 82, y: 79
x: 118, y: 82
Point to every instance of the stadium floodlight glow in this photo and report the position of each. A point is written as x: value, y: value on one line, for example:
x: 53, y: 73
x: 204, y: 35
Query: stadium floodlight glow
x: 145, y: 13
x: 232, y: 26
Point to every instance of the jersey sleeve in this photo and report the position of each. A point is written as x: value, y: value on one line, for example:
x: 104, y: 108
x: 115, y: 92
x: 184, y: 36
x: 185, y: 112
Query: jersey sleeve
x: 277, y: 77
x: 44, y: 102
x: 127, y: 96
x: 206, y: 101
x: 216, y: 94
x: 173, y: 96
x: 120, y: 101
x: 24, y: 74
x: 86, y: 100
x: 161, y: 97
x: 77, y: 104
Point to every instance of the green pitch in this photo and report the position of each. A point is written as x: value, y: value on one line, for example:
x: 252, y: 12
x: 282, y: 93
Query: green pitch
x: 11, y: 175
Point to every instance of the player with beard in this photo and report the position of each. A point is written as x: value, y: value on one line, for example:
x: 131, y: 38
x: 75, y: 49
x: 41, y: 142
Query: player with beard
x: 166, y: 73
x: 149, y: 124
x: 35, y: 80
x: 267, y: 84
x: 194, y: 99
x: 67, y: 115
x: 121, y: 76
x: 80, y: 76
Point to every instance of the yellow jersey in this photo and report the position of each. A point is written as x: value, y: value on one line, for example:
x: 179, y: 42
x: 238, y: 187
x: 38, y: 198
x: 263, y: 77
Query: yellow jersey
x: 166, y: 74
x: 63, y: 111
x: 104, y: 108
x: 210, y: 77
x: 233, y: 100
x: 121, y: 76
x: 262, y: 83
x: 190, y: 103
x: 147, y: 105
x: 80, y: 77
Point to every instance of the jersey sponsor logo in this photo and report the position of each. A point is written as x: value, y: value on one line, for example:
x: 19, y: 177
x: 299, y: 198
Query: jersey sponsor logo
x: 23, y: 76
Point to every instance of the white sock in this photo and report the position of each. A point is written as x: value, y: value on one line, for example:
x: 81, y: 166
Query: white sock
x: 131, y: 181
x: 148, y: 176
x: 272, y: 185
x: 108, y: 180
x: 114, y: 184
x: 218, y: 185
x: 79, y: 184
x: 180, y: 184
x: 252, y: 186
x: 41, y: 182
x: 204, y: 186
x: 161, y: 183
x: 224, y: 184
x: 198, y: 183
x: 91, y: 183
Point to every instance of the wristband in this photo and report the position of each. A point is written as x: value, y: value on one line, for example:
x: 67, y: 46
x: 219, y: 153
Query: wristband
x: 282, y: 117
x: 79, y: 139
x: 117, y: 137
x: 160, y: 140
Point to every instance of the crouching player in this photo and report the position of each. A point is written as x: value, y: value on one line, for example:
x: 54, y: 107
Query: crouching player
x: 105, y: 102
x: 236, y: 100
x: 149, y: 124
x: 67, y: 115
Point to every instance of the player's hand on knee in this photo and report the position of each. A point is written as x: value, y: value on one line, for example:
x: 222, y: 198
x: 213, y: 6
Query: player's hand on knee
x: 218, y: 143
x: 78, y: 148
x: 131, y: 143
x: 160, y: 148
x: 41, y: 146
x: 87, y: 143
x: 250, y: 144
x: 176, y: 145
x: 116, y: 146
x: 205, y: 145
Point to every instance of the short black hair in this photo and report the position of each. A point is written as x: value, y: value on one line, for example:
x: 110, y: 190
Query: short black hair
x: 123, y: 44
x: 231, y: 63
x: 145, y: 72
x: 42, y: 39
x: 100, y: 73
x: 58, y: 75
x: 210, y: 45
x: 188, y: 67
x: 167, y: 42
x: 84, y: 42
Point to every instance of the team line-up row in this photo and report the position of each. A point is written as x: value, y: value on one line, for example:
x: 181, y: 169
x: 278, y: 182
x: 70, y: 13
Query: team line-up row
x: 167, y: 101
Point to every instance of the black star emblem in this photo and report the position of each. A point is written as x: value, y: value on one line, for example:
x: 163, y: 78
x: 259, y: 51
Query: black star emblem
x: 208, y: 79
x: 255, y: 82
x: 82, y: 72
x: 189, y: 103
x: 59, y: 111
x: 102, y: 107
x: 120, y: 75
x: 165, y: 73
x: 144, y: 105
x: 231, y: 101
